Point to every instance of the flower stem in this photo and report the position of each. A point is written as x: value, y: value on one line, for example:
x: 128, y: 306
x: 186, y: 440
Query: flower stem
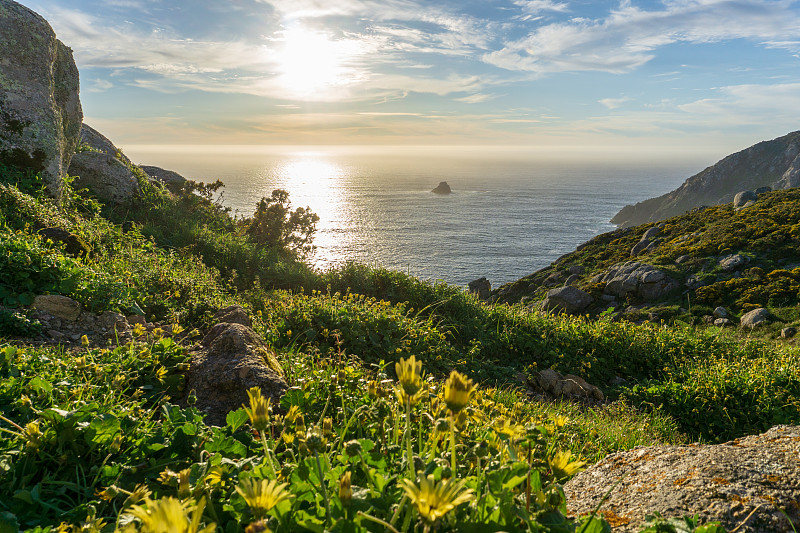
x: 385, y: 524
x: 453, y: 443
x: 409, y: 454
x: 323, y: 489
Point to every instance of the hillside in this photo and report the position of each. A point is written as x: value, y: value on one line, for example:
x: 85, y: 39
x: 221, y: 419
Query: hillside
x: 774, y: 164
x: 741, y: 259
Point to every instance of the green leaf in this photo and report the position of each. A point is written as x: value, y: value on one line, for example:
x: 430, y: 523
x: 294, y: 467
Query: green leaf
x: 594, y: 524
x: 102, y: 430
x: 40, y: 386
x: 236, y: 419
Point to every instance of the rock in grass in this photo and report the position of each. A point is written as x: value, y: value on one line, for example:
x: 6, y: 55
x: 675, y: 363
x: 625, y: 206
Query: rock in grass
x: 105, y: 175
x: 755, y: 318
x: 40, y: 110
x: 743, y: 198
x: 58, y: 306
x: 481, y: 287
x: 554, y: 384
x: 721, y: 312
x: 725, y: 482
x: 731, y: 262
x: 566, y: 299
x: 233, y: 358
x: 788, y: 333
x: 234, y: 314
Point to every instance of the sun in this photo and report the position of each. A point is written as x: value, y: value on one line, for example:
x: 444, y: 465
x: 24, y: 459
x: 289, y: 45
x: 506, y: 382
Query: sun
x: 313, y: 66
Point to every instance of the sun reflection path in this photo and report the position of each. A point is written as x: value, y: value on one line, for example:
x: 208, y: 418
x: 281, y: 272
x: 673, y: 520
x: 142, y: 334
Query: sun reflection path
x: 316, y: 182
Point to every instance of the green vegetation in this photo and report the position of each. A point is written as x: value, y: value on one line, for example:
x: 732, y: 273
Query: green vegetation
x: 94, y: 437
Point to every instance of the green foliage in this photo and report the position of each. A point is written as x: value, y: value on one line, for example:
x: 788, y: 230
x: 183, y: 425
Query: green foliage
x: 16, y: 324
x: 274, y: 224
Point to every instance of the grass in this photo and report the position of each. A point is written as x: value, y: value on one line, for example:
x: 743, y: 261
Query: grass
x: 95, y: 436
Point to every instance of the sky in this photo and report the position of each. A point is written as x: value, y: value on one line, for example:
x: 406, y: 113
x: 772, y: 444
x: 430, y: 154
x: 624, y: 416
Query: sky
x: 677, y: 75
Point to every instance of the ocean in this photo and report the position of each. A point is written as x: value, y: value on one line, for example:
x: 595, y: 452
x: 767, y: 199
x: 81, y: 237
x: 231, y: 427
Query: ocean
x: 511, y: 212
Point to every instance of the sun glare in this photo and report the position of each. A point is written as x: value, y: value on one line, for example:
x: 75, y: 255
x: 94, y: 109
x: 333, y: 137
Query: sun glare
x: 313, y: 66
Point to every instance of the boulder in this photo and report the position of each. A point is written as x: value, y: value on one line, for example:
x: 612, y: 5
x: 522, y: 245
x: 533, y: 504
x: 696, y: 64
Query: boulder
x: 721, y: 312
x: 553, y: 383
x: 556, y: 278
x: 40, y: 110
x: 480, y: 287
x: 232, y: 359
x: 233, y: 314
x: 722, y: 322
x: 743, y: 197
x: 731, y: 262
x: 572, y: 280
x: 442, y: 188
x: 754, y: 318
x: 100, y: 143
x: 58, y: 306
x: 566, y: 299
x: 762, y: 190
x: 106, y: 176
x: 172, y: 180
x: 639, y: 247
x: 73, y: 244
x: 651, y: 233
x: 638, y: 279
x: 788, y: 333
x: 577, y: 270
x: 747, y: 484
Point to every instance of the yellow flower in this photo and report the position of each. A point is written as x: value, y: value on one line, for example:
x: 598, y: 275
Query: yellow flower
x: 434, y: 500
x: 261, y: 495
x: 161, y: 373
x: 80, y: 363
x: 259, y: 409
x: 170, y: 515
x: 218, y: 475
x: 409, y: 373
x: 345, y: 490
x: 458, y: 390
x: 32, y: 435
x: 562, y: 467
x: 138, y: 330
x: 84, y: 341
x: 184, y: 488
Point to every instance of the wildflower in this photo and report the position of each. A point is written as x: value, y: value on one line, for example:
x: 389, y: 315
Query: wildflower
x: 345, y: 490
x: 170, y: 515
x: 107, y: 494
x: 352, y: 448
x: 138, y: 330
x: 315, y: 439
x: 262, y: 495
x: 562, y: 467
x: 32, y: 435
x: 434, y: 500
x: 80, y: 363
x: 458, y: 390
x: 218, y: 475
x: 158, y: 333
x: 84, y: 341
x: 259, y: 526
x: 176, y: 329
x: 409, y: 373
x: 373, y: 389
x: 300, y: 424
x: 161, y: 373
x: 292, y: 414
x: 184, y: 488
x: 259, y: 409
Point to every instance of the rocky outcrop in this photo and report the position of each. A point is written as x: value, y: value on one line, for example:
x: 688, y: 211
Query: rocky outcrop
x: 442, y: 188
x: 100, y: 143
x: 746, y: 484
x: 566, y: 299
x: 774, y: 164
x: 638, y: 279
x: 481, y: 287
x: 40, y: 110
x: 232, y: 359
x: 172, y: 180
x: 105, y: 175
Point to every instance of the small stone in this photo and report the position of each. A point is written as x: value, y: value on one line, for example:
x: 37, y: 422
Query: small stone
x: 567, y: 299
x: 721, y: 312
x: 754, y: 318
x: 722, y: 322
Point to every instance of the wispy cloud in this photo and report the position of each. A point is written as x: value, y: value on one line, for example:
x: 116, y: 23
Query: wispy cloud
x: 614, y: 103
x: 629, y: 36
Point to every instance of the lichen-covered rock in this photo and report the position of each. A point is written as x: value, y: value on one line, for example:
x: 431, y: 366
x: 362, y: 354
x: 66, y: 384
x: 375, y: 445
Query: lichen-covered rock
x: 99, y: 142
x: 754, y: 318
x: 40, y: 110
x: 743, y: 198
x: 233, y: 314
x: 106, y: 176
x: 73, y: 244
x: 731, y: 262
x: 233, y: 359
x: 643, y: 281
x: 566, y: 299
x: 744, y: 483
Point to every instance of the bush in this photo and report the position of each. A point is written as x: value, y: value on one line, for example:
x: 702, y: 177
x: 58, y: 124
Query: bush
x: 274, y: 224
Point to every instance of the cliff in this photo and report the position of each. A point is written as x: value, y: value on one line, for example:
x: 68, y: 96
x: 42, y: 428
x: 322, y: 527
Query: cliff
x: 774, y: 164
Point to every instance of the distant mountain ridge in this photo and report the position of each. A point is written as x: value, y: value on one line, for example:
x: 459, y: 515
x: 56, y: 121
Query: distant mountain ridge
x: 774, y: 164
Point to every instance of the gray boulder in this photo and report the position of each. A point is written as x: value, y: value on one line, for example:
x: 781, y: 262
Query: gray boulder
x: 233, y: 314
x: 106, y: 176
x: 721, y: 312
x: 731, y: 262
x: 233, y: 358
x: 172, y: 180
x: 40, y: 110
x: 58, y: 306
x: 747, y: 484
x: 99, y: 142
x: 762, y: 190
x: 566, y: 299
x: 638, y: 279
x: 651, y: 233
x: 554, y: 384
x: 743, y: 197
x: 639, y: 247
x: 577, y: 270
x: 788, y: 333
x: 480, y: 287
x: 754, y: 318
x: 722, y: 322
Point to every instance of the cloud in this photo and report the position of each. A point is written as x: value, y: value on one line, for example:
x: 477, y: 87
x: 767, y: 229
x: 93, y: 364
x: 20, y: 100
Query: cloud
x: 629, y: 36
x: 535, y: 7
x: 476, y: 98
x: 614, y: 103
